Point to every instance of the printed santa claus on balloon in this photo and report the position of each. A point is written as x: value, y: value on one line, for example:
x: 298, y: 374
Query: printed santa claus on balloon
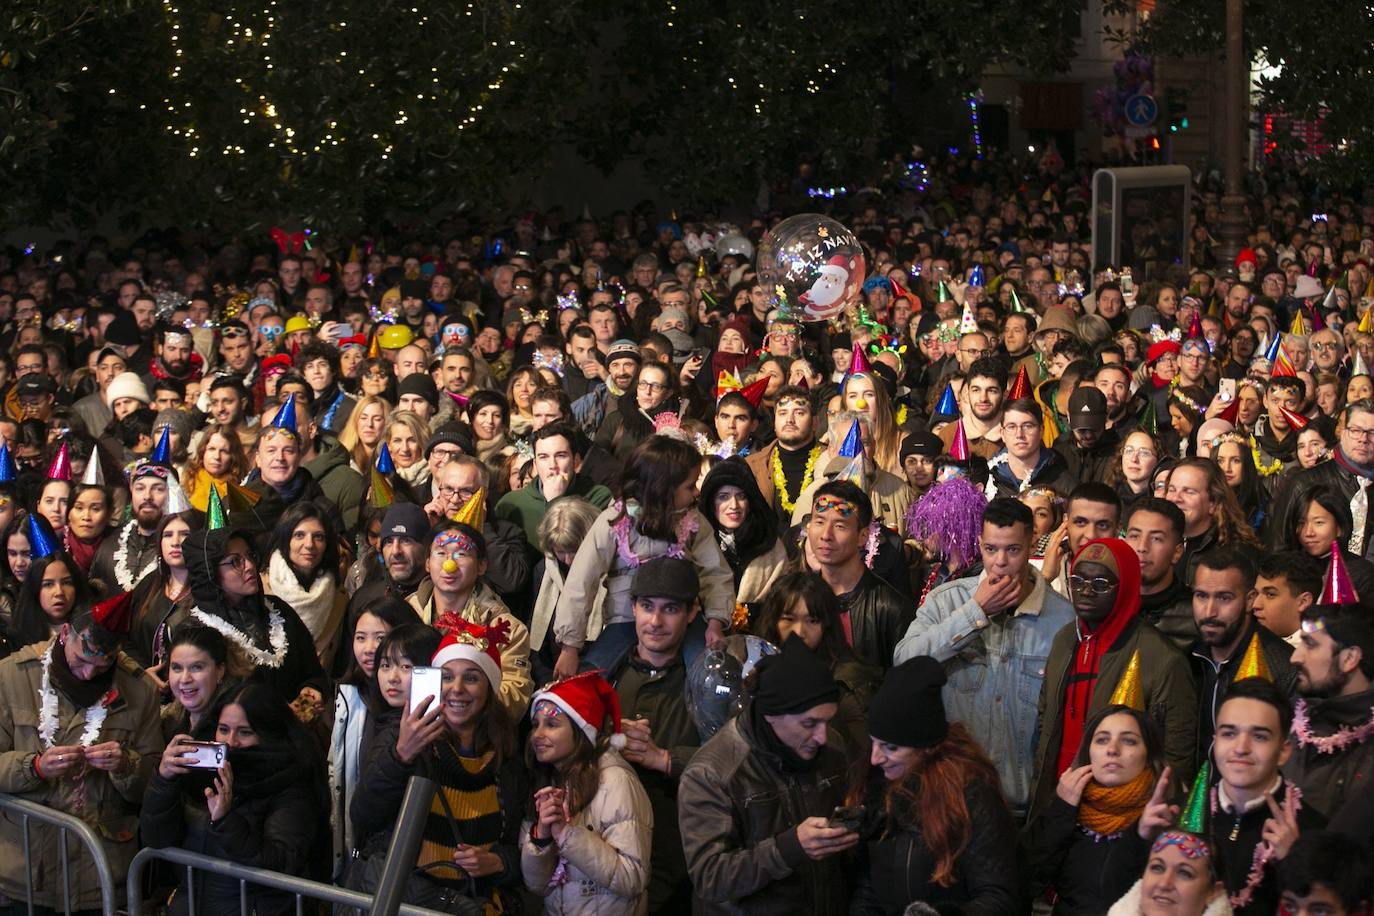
x: 818, y: 263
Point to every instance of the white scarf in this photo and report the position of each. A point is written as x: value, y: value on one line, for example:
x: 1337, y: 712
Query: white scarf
x: 311, y: 604
x: 416, y: 475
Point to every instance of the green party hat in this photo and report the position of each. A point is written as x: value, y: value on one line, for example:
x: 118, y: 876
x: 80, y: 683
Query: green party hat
x: 1016, y: 307
x: 215, y: 511
x: 942, y: 293
x: 1149, y: 419
x: 1194, y: 817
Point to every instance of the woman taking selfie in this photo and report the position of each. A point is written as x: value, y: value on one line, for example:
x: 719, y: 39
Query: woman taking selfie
x: 589, y: 819
x: 196, y: 659
x: 263, y: 806
x: 463, y: 741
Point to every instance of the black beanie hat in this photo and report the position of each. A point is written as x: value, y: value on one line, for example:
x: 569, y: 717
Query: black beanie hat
x: 908, y: 710
x: 792, y: 681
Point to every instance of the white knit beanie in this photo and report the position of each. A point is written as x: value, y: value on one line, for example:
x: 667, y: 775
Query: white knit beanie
x: 126, y: 385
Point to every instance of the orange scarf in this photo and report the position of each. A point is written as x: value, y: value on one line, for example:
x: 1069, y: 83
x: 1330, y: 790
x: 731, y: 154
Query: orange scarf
x: 1109, y: 811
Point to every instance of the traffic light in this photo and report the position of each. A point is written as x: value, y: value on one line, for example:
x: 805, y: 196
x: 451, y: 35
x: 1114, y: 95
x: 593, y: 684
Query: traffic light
x: 1176, y: 108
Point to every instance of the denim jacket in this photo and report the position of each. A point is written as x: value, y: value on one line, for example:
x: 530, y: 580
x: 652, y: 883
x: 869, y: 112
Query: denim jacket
x: 995, y: 666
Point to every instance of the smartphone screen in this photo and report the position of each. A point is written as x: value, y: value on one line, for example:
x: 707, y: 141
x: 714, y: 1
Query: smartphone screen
x: 424, y: 682
x: 1228, y: 390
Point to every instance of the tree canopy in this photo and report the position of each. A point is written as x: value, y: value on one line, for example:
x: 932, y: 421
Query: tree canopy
x: 336, y: 111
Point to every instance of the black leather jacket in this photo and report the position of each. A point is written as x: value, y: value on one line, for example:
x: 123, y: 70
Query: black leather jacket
x: 739, y: 810
x: 878, y: 619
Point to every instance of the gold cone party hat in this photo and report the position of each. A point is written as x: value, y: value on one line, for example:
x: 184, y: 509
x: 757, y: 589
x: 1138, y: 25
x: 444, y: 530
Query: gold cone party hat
x: 1128, y: 692
x: 1252, y: 663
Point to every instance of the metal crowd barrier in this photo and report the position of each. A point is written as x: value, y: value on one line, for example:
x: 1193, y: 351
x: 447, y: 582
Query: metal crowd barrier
x: 65, y: 823
x: 400, y: 860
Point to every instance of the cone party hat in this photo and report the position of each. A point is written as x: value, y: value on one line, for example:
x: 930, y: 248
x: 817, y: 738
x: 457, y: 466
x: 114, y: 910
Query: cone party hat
x: 958, y: 449
x: 1336, y: 586
x: 1194, y: 817
x: 214, y: 513
x: 1128, y: 692
x: 1252, y: 663
x: 1020, y: 386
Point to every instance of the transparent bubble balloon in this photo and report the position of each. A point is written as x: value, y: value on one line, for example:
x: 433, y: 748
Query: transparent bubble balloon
x: 715, y: 681
x: 734, y: 243
x: 817, y: 261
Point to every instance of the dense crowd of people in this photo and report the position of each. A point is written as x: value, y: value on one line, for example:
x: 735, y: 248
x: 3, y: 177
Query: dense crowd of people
x: 1011, y: 588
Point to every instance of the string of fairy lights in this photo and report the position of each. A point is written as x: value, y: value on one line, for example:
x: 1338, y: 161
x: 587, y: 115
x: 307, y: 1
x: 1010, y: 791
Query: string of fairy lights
x: 253, y: 32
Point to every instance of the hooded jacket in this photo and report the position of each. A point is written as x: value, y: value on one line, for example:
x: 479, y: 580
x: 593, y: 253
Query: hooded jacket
x: 1167, y: 684
x: 250, y: 617
x: 755, y: 546
x: 1328, y: 780
x: 341, y: 485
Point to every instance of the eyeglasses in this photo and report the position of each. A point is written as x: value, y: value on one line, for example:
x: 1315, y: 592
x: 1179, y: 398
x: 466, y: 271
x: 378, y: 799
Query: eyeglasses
x: 452, y: 493
x: 1021, y: 429
x: 652, y: 386
x: 239, y: 562
x: 1358, y: 433
x: 1098, y: 586
x: 1326, y: 347
x: 441, y: 455
x: 974, y: 351
x: 1131, y: 451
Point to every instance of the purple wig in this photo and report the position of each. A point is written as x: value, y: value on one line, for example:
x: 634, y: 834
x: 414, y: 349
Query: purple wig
x: 950, y: 518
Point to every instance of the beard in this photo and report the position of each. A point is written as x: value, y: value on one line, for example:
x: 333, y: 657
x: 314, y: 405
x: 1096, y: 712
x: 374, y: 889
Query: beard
x: 1330, y: 686
x: 177, y: 367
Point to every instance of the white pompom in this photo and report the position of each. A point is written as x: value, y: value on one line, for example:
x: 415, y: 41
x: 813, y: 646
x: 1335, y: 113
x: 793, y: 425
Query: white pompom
x: 618, y: 740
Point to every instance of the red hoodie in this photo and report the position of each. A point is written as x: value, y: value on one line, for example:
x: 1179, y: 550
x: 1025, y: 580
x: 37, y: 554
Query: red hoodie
x: 1093, y: 644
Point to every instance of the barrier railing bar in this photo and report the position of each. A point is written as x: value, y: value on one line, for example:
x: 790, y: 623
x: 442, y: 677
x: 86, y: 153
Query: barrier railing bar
x: 404, y: 846
x: 64, y: 823
x: 260, y: 877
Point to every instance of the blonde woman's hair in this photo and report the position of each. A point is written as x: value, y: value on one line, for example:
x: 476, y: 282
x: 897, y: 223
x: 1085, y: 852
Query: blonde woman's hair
x: 348, y: 436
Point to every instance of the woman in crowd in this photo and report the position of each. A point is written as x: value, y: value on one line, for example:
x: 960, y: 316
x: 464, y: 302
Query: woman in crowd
x: 196, y: 660
x: 162, y: 599
x: 934, y: 828
x: 378, y: 379
x: 406, y: 435
x: 352, y: 717
x: 1316, y: 441
x: 464, y: 742
x: 1086, y: 845
x: 218, y: 460
x: 801, y: 604
x: 1138, y: 456
x: 362, y: 436
x: 588, y: 818
x: 520, y: 387
x: 631, y: 418
x: 18, y: 557
x: 1237, y: 462
x: 866, y: 393
x: 1182, y: 878
x: 263, y: 807
x: 303, y: 571
x: 656, y: 515
x: 1322, y: 519
x: 561, y: 531
x: 489, y: 415
x: 54, y: 499
x: 265, y: 635
x: 88, y: 524
x: 52, y: 588
x: 745, y: 527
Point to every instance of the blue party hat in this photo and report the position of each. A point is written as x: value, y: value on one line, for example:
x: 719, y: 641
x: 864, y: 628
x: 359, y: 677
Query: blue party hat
x: 1272, y: 353
x: 384, y: 463
x: 947, y: 407
x: 285, y: 419
x: 975, y: 277
x: 9, y: 473
x: 42, y: 541
x: 163, y: 453
x: 853, y: 445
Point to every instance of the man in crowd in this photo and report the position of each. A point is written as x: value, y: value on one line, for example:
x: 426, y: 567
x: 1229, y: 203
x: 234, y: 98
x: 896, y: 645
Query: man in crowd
x: 992, y: 632
x: 661, y: 733
x: 123, y: 560
x: 1024, y: 462
x: 1154, y: 529
x: 1333, y: 759
x: 1109, y: 655
x: 47, y: 693
x: 557, y: 468
x: 740, y: 855
x: 1286, y: 584
x: 1229, y: 640
x: 981, y: 411
x: 792, y: 456
x: 454, y: 589
x: 875, y: 614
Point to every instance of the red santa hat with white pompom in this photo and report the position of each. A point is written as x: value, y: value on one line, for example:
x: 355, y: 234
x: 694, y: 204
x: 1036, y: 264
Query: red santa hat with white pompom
x: 589, y: 700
